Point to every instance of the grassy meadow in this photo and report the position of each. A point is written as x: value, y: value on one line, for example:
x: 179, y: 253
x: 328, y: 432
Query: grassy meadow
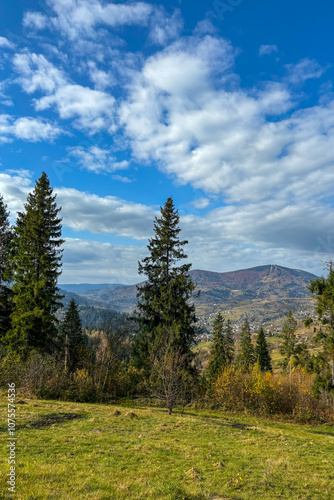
x: 69, y: 450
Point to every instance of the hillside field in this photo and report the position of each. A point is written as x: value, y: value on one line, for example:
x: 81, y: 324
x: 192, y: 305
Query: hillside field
x: 69, y: 450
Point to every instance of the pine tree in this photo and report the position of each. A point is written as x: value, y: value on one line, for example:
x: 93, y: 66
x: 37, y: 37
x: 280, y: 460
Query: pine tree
x: 262, y: 354
x: 322, y: 290
x: 218, y: 356
x: 164, y: 314
x: 6, y: 294
x: 246, y: 357
x: 289, y: 342
x: 73, y: 337
x: 229, y: 342
x: 36, y: 267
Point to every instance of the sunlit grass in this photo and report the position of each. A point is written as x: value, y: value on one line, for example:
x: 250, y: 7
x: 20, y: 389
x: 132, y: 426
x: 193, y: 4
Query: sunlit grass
x: 144, y: 453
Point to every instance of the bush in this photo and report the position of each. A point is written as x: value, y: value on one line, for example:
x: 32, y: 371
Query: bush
x: 267, y: 394
x: 11, y: 369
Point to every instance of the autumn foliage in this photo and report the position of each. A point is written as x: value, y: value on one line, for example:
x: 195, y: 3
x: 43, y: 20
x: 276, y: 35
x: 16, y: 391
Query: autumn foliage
x: 266, y: 394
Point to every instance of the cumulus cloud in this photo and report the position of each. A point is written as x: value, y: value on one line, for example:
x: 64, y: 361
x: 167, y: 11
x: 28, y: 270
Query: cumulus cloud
x: 304, y: 70
x: 35, y: 20
x: 200, y: 203
x: 37, y: 73
x: 91, y: 110
x: 267, y: 49
x: 80, y: 18
x: 165, y: 28
x: 220, y: 140
x: 100, y: 78
x: 204, y: 27
x: 82, y: 211
x: 27, y: 129
x: 226, y: 238
x: 97, y: 160
x: 109, y: 214
x: 5, y: 43
x: 94, y: 262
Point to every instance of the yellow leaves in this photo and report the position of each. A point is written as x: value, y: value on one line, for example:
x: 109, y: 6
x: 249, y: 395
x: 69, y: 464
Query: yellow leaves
x: 265, y: 393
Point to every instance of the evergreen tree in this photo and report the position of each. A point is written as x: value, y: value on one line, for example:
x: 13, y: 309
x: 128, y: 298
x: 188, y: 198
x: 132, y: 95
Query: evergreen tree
x: 322, y: 290
x: 36, y: 267
x: 262, y: 354
x: 218, y: 356
x: 289, y: 342
x: 246, y: 357
x: 6, y: 294
x: 73, y: 337
x: 164, y: 314
x: 229, y: 342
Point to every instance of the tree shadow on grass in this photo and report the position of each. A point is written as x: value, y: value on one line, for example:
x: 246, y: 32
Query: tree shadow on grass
x: 53, y: 418
x: 324, y: 433
x: 212, y: 419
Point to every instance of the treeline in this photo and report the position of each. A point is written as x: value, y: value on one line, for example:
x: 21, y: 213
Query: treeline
x: 152, y: 353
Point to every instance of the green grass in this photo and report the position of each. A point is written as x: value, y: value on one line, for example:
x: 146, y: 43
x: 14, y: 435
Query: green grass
x: 200, y: 455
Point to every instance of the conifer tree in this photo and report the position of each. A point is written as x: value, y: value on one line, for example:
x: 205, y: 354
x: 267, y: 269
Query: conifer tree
x: 73, y: 337
x: 6, y: 294
x: 229, y: 342
x: 246, y: 357
x: 262, y: 354
x: 289, y: 342
x: 36, y: 268
x: 164, y: 314
x: 218, y: 356
x: 322, y: 290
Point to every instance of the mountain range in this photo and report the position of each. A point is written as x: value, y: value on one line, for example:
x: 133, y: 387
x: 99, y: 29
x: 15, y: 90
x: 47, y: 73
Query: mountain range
x: 264, y: 294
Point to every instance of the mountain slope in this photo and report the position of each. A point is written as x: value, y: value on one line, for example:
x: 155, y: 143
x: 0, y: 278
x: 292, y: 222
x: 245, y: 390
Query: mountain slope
x: 265, y: 293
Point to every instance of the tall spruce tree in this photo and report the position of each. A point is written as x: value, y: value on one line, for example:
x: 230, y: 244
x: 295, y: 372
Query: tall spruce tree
x: 218, y: 356
x: 262, y: 354
x: 73, y: 337
x: 246, y: 356
x: 229, y: 342
x: 6, y: 293
x: 164, y: 314
x: 322, y: 290
x: 36, y: 268
x: 288, y: 344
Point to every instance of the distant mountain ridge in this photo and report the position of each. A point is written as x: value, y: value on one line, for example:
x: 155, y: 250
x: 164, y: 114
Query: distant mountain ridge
x: 270, y: 279
x: 269, y: 291
x: 81, y: 287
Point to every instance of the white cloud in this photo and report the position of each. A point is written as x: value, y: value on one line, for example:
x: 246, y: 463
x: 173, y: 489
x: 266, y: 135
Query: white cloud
x: 15, y: 187
x: 97, y: 160
x: 165, y: 28
x: 267, y: 49
x: 100, y: 78
x: 180, y: 116
x: 27, y: 129
x: 227, y: 238
x: 94, y: 262
x: 92, y: 110
x: 200, y: 203
x: 37, y: 73
x: 109, y: 214
x: 6, y: 44
x: 79, y: 18
x: 204, y: 27
x: 121, y: 178
x: 35, y: 20
x: 304, y: 70
x: 82, y: 211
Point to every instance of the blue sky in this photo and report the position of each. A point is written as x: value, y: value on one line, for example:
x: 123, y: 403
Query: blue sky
x: 226, y: 106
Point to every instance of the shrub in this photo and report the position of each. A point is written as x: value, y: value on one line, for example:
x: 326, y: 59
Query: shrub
x: 267, y: 394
